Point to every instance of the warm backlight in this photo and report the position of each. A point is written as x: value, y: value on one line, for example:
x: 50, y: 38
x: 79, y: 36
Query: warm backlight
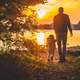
x: 40, y: 38
x: 41, y: 13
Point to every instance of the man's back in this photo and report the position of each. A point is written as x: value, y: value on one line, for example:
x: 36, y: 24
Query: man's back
x: 61, y: 22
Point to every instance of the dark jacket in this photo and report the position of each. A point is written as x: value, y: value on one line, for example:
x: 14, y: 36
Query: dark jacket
x: 62, y: 24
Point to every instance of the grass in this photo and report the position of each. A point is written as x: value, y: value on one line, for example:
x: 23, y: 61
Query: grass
x: 23, y: 65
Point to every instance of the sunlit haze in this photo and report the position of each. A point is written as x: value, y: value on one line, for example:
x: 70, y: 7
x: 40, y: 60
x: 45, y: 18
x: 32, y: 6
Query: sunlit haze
x: 47, y: 11
x: 41, y: 13
x: 40, y: 38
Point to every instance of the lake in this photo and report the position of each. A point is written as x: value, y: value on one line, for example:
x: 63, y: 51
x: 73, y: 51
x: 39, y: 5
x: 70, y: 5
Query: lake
x: 71, y: 41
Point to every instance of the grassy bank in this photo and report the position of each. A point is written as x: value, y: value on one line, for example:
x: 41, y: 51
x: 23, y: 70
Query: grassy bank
x: 24, y: 66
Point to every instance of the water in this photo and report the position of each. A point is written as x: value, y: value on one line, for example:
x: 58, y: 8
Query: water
x: 71, y: 41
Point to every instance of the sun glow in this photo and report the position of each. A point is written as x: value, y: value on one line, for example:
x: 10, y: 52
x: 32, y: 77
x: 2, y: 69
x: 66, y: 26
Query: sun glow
x: 41, y: 13
x: 40, y: 38
x: 27, y: 12
x: 46, y: 12
x: 51, y: 1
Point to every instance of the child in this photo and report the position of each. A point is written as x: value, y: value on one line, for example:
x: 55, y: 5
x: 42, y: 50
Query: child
x: 51, y: 47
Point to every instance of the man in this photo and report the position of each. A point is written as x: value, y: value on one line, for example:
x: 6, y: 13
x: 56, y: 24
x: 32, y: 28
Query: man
x: 61, y: 26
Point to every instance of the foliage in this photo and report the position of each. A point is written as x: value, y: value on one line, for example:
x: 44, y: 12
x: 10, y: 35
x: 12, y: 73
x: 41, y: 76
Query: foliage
x: 10, y: 8
x: 21, y: 65
x: 10, y: 41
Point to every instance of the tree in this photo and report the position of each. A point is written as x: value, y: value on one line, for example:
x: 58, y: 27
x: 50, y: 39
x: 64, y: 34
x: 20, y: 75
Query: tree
x: 15, y: 6
x: 10, y: 9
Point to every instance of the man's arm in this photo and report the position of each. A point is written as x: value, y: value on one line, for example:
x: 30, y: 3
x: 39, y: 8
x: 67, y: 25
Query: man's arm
x: 54, y: 23
x: 69, y: 25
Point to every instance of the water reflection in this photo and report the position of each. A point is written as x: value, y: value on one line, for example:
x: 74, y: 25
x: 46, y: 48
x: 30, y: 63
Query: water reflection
x: 71, y: 41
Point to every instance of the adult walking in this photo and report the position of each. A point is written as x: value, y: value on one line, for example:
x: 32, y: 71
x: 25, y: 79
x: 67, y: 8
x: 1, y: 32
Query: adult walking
x: 61, y: 26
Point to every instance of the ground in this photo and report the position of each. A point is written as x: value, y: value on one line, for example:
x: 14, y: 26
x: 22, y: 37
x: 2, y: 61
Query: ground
x: 18, y: 65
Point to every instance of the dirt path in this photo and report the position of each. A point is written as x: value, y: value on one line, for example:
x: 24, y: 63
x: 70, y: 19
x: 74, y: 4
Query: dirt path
x: 44, y: 57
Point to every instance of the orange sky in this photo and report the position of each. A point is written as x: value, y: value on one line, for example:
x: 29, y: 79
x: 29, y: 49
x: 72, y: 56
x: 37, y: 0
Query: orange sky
x: 47, y: 11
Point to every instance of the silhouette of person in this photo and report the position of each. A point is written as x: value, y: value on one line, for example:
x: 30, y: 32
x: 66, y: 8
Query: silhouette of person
x: 61, y: 26
x: 51, y: 47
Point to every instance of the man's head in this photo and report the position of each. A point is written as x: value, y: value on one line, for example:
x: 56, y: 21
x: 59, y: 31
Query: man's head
x: 61, y: 10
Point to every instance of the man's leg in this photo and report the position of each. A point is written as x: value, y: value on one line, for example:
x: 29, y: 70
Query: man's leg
x: 59, y: 47
x: 64, y: 46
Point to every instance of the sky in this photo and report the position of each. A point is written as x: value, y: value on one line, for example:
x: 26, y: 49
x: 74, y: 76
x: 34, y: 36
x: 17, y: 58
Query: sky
x: 46, y: 12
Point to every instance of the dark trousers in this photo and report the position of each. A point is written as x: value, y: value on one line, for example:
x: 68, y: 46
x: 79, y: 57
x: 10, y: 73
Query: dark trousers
x: 61, y: 42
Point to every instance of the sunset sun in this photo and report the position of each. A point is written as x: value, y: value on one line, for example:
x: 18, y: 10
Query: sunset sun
x: 41, y: 13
